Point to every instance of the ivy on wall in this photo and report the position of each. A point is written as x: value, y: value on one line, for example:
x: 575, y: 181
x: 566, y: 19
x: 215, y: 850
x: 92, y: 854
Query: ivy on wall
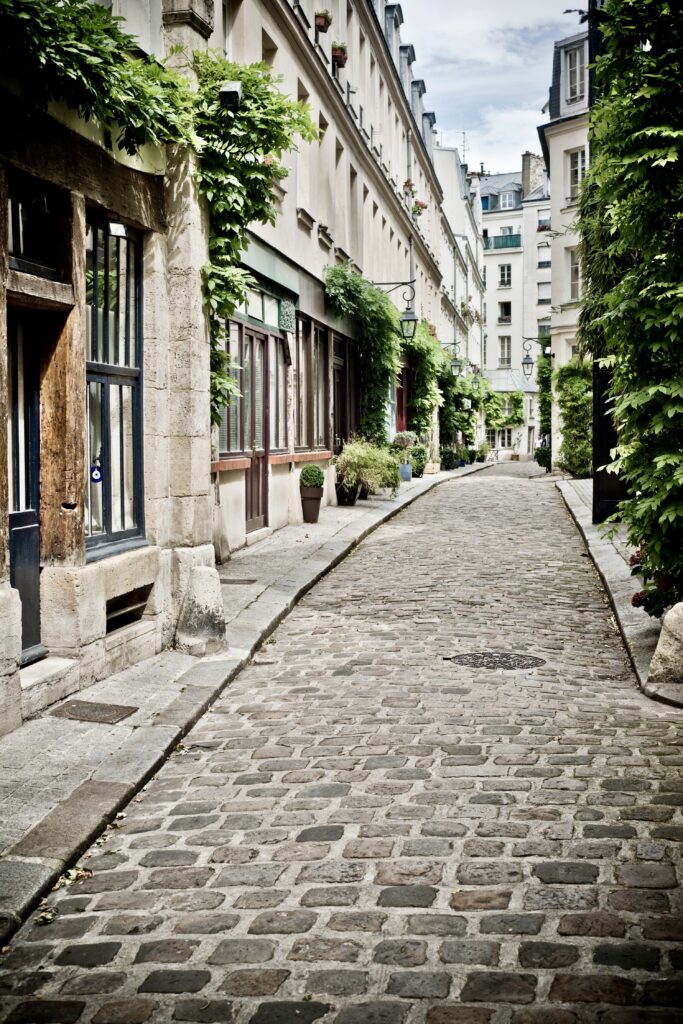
x: 455, y: 416
x: 426, y: 360
x: 238, y: 166
x: 497, y: 418
x: 631, y: 212
x: 379, y: 350
x: 544, y: 377
x: 75, y: 51
x: 574, y: 386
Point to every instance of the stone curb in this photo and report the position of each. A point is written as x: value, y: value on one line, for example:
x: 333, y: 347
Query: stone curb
x: 30, y: 868
x: 639, y: 632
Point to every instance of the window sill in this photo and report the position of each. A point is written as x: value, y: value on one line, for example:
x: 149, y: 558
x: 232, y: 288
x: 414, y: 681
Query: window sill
x: 114, y: 547
x: 224, y: 465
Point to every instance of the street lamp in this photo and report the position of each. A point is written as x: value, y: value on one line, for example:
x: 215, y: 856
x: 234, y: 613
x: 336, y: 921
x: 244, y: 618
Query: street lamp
x: 409, y: 318
x: 456, y: 361
x: 527, y: 361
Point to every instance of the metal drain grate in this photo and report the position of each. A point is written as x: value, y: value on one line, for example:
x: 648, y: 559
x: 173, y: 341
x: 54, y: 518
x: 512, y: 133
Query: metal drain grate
x: 237, y: 583
x: 496, y: 659
x: 91, y: 711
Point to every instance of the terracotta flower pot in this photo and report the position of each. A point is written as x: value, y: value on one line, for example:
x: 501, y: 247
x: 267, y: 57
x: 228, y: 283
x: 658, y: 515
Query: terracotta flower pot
x: 322, y: 23
x: 339, y: 58
x: 310, y: 503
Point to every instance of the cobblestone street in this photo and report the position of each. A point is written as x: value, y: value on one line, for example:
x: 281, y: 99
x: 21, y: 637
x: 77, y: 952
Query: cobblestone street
x: 361, y: 831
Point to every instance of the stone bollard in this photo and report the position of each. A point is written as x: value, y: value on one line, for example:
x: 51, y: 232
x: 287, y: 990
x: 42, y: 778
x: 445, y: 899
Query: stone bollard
x: 667, y: 662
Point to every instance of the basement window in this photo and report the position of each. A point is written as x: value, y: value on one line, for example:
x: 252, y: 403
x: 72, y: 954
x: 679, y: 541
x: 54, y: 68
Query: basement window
x: 127, y: 608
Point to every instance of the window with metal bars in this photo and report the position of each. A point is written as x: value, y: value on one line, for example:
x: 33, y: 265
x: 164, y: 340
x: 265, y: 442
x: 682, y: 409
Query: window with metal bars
x: 114, y: 487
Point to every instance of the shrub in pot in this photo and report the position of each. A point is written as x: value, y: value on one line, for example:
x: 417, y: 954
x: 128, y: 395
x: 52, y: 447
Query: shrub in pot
x: 350, y: 465
x: 311, y: 483
x: 448, y: 458
x: 323, y: 20
x: 483, y: 451
x: 462, y: 455
x: 419, y: 458
x: 471, y: 454
x: 403, y: 442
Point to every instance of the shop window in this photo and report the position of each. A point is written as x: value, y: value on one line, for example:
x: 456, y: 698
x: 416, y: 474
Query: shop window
x: 277, y: 395
x: 114, y: 492
x: 230, y: 437
x: 311, y: 393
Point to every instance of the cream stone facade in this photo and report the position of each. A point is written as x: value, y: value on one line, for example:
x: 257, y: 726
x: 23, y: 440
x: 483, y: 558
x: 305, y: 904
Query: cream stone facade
x: 565, y: 148
x: 117, y: 497
x: 514, y: 206
x: 104, y: 363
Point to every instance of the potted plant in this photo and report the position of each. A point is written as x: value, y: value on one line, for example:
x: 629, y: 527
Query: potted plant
x: 351, y: 465
x: 419, y: 458
x: 462, y: 455
x: 403, y: 441
x: 471, y: 455
x: 340, y: 54
x: 482, y: 451
x: 515, y: 446
x: 323, y: 20
x: 311, y: 484
x: 419, y: 206
x: 448, y: 458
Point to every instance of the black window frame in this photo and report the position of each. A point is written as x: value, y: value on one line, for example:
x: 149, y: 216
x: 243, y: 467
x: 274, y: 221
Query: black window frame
x: 110, y: 375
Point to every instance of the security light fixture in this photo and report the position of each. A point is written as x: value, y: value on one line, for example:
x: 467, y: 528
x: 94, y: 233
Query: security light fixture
x: 230, y: 95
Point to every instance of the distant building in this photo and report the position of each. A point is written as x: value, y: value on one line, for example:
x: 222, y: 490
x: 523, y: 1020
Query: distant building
x: 516, y: 213
x: 564, y: 139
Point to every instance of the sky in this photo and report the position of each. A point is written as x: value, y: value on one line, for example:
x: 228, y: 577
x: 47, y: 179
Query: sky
x: 487, y: 66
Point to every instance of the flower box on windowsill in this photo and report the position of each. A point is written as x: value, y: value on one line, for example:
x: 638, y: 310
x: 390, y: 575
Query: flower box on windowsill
x: 323, y: 20
x: 339, y: 56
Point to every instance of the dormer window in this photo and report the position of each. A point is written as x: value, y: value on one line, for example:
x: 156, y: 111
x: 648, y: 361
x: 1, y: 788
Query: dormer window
x: 576, y: 74
x: 507, y: 200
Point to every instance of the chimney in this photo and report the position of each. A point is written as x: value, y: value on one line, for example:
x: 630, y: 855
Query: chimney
x: 481, y: 168
x: 532, y: 172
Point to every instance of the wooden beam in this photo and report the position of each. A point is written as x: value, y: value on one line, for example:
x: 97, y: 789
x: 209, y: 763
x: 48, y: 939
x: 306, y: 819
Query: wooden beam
x: 39, y: 145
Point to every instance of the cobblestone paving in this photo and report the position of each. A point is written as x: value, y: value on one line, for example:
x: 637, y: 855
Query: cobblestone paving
x: 362, y: 832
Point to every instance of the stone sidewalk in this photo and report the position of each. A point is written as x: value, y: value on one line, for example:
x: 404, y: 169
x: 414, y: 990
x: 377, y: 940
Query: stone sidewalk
x: 640, y: 632
x: 389, y: 819
x: 62, y: 781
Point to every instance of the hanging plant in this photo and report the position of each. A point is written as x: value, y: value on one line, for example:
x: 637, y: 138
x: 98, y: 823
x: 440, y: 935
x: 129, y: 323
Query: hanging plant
x: 574, y: 385
x: 340, y: 54
x: 379, y: 351
x: 419, y: 207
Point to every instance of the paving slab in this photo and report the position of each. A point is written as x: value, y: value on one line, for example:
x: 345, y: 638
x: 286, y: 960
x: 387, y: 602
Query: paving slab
x: 62, y: 780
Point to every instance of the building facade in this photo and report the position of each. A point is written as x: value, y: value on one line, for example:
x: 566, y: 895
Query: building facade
x: 515, y: 209
x: 117, y: 495
x: 564, y: 138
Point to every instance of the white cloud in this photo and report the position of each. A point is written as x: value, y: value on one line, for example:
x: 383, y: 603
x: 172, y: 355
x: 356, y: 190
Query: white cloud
x: 487, y: 68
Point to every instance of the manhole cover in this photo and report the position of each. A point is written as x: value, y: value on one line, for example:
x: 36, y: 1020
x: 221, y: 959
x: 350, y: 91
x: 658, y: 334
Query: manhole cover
x: 496, y: 659
x: 90, y: 711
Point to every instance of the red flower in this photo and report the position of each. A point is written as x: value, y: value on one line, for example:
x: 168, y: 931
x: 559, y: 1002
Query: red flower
x: 638, y: 599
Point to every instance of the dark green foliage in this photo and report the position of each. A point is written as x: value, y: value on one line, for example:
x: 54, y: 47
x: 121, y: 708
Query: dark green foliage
x: 494, y: 413
x: 448, y: 458
x: 454, y: 417
x: 311, y: 476
x: 379, y: 350
x: 419, y: 458
x: 75, y: 51
x: 544, y: 378
x: 574, y: 384
x: 238, y: 167
x: 361, y: 463
x: 632, y: 315
x: 543, y: 457
x: 426, y: 359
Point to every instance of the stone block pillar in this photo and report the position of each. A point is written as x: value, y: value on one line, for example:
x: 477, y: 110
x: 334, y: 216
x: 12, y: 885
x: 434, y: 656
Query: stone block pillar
x: 189, y: 523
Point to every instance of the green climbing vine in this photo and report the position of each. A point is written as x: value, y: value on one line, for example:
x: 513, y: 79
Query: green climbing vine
x: 574, y: 385
x: 75, y: 51
x: 631, y: 214
x: 503, y: 410
x: 238, y: 166
x: 426, y: 360
x: 544, y: 376
x: 379, y: 351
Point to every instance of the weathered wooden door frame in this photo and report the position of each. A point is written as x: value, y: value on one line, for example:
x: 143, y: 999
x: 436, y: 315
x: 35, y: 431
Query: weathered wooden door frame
x: 256, y: 477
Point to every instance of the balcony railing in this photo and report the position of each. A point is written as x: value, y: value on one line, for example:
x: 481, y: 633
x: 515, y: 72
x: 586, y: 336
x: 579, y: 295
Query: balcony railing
x: 505, y: 319
x: 503, y: 242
